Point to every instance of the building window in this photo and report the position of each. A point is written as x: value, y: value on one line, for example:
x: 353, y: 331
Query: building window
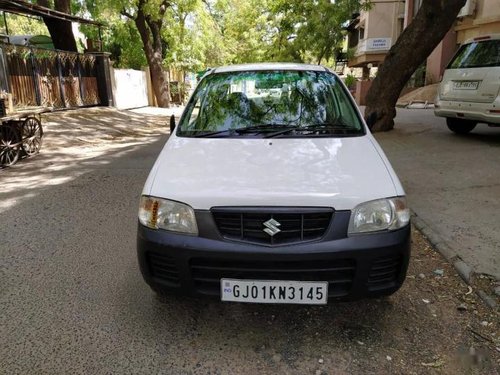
x: 361, y: 33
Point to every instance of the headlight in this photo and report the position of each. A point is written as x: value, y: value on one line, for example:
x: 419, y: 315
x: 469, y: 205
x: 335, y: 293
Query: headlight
x: 165, y: 214
x: 378, y: 215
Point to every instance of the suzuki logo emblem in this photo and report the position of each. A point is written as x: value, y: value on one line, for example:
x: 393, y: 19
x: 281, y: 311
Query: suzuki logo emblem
x: 272, y: 227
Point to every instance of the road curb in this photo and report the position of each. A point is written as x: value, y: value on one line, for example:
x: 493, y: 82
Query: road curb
x: 465, y: 271
x: 437, y: 241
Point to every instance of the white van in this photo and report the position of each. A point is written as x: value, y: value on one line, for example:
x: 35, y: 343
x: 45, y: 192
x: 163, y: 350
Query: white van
x: 470, y: 90
x: 272, y: 190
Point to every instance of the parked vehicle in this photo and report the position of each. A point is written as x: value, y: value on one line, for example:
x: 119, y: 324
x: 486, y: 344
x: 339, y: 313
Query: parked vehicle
x: 470, y: 90
x: 272, y: 190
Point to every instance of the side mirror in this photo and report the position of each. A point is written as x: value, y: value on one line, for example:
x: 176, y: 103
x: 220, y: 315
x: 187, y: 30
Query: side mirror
x: 371, y: 120
x: 172, y: 124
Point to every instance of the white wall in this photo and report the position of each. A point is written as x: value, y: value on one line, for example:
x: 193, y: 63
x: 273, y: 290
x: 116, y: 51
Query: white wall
x: 130, y: 88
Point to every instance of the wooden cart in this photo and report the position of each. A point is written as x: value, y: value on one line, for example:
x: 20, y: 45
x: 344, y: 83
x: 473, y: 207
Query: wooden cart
x: 20, y: 135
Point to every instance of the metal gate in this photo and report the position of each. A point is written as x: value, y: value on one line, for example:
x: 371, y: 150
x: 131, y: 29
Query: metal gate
x: 48, y: 78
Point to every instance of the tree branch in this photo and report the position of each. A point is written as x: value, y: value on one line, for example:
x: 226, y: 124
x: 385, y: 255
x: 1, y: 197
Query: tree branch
x: 155, y: 27
x: 219, y: 27
x: 163, y: 6
x: 142, y: 27
x: 127, y: 14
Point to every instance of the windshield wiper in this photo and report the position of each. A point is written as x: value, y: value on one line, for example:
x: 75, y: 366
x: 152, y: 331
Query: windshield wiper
x: 202, y: 134
x: 270, y: 127
x: 263, y: 128
x: 338, y: 128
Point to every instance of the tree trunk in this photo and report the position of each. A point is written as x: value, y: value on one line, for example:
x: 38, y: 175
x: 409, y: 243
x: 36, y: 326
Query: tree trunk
x: 61, y: 32
x: 159, y: 80
x: 150, y: 32
x: 418, y: 40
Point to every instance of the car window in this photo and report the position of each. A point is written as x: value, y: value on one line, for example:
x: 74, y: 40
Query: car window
x: 476, y: 55
x: 242, y: 100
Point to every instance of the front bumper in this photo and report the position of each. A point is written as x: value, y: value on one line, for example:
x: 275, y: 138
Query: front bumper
x: 356, y: 267
x: 479, y: 112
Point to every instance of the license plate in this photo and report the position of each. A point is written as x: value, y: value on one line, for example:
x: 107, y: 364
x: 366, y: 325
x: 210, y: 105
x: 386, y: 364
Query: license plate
x: 465, y: 85
x: 274, y: 291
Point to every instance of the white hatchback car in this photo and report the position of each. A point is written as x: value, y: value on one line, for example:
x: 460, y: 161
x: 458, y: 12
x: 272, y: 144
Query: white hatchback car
x: 470, y: 90
x: 272, y: 190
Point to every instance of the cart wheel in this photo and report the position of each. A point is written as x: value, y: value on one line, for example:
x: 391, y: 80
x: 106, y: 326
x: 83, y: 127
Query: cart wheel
x: 9, y: 145
x: 32, y: 136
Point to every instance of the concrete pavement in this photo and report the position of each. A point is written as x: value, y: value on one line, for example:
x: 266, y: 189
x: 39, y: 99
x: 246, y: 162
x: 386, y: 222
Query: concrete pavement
x: 453, y: 185
x: 73, y: 301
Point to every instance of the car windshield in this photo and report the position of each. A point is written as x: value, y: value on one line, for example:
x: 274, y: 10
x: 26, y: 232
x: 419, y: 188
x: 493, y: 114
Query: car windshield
x: 270, y: 104
x: 477, y: 55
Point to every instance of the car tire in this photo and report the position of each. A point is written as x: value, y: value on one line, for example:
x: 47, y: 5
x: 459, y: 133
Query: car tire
x: 460, y: 126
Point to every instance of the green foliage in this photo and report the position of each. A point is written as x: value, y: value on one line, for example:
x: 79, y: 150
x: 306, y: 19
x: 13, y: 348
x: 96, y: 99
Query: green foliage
x: 120, y: 37
x: 185, y: 49
x: 350, y: 80
x: 204, y: 33
x: 20, y: 25
x: 122, y: 40
x: 283, y: 30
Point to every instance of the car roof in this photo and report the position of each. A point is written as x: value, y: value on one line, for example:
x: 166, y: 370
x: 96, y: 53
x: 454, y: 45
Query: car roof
x: 268, y: 66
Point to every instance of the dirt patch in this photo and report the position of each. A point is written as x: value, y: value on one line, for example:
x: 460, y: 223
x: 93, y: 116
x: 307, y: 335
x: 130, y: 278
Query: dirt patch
x: 456, y: 332
x: 434, y: 325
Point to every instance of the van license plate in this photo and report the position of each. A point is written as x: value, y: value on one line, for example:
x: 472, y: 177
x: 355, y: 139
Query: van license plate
x: 274, y: 291
x: 465, y: 85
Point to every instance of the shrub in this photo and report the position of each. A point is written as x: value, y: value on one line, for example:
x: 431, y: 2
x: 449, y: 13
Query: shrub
x: 350, y: 80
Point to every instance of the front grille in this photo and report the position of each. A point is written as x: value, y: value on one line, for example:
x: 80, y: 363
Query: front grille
x: 163, y: 267
x: 295, y: 226
x: 207, y: 273
x: 384, y: 272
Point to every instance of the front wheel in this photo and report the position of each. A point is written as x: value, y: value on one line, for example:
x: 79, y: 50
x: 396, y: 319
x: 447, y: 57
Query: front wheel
x: 460, y: 126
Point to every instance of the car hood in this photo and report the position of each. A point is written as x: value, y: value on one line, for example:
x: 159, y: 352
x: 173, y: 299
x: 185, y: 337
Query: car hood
x: 325, y: 172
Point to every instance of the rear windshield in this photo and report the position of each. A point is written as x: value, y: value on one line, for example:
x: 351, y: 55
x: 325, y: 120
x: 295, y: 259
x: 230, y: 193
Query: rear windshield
x: 477, y: 55
x: 256, y: 103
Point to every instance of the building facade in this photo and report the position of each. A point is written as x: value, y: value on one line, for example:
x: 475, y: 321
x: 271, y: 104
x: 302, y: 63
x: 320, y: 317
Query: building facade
x: 371, y: 33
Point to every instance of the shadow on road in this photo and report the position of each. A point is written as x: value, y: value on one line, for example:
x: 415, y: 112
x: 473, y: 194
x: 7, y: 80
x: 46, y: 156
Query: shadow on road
x: 491, y: 137
x: 73, y: 299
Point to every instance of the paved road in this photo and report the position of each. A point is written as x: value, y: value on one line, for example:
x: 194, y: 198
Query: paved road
x: 452, y: 182
x: 73, y: 301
